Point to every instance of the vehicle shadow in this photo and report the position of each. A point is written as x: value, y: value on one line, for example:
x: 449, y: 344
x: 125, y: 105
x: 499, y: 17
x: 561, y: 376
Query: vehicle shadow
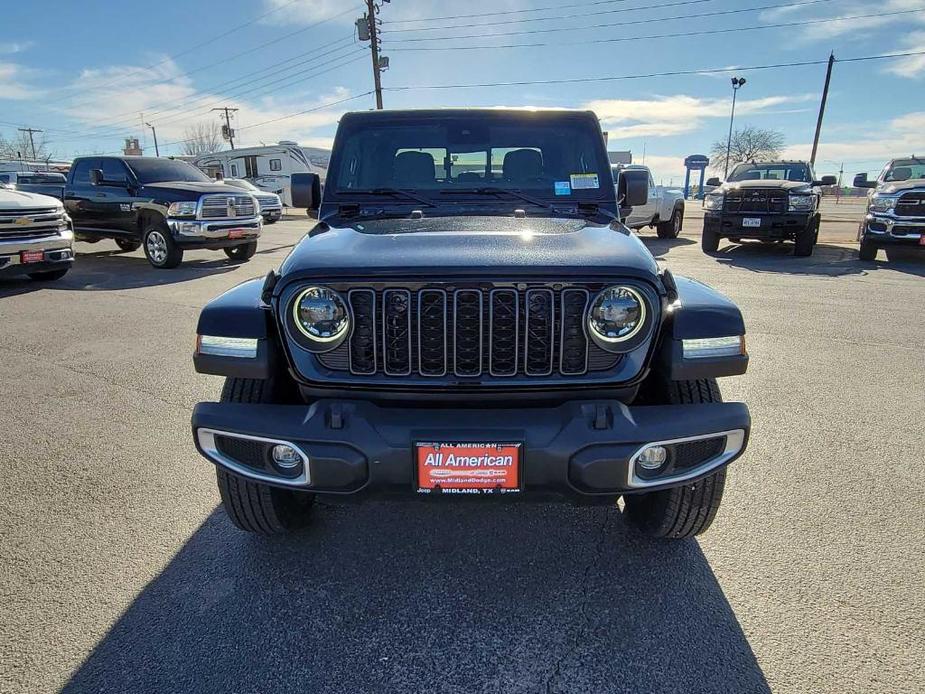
x: 659, y: 247
x: 429, y: 598
x: 826, y: 260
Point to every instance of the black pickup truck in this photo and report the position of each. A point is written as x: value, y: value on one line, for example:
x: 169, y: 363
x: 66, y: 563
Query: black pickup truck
x: 469, y: 318
x: 163, y: 205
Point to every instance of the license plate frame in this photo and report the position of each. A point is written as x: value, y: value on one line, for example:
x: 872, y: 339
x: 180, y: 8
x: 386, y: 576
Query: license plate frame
x: 29, y: 257
x: 436, y: 472
x: 751, y: 222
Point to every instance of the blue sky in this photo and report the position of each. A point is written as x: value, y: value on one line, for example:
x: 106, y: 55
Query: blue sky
x: 85, y: 71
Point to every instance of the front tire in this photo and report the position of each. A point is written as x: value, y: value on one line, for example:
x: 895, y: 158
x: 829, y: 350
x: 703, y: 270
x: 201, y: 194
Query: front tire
x: 160, y: 248
x: 690, y: 509
x: 867, y: 251
x: 672, y: 228
x: 806, y: 240
x: 709, y: 241
x: 243, y: 252
x: 251, y: 506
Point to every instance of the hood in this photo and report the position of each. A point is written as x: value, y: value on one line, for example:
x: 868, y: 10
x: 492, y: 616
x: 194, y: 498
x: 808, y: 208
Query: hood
x: 463, y: 245
x: 20, y: 199
x: 899, y: 186
x: 764, y: 184
x: 195, y: 187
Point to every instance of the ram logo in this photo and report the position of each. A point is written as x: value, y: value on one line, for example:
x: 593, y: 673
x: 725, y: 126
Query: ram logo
x: 232, y: 210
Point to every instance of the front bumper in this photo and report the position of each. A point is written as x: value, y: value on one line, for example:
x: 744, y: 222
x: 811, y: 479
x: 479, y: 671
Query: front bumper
x: 577, y: 449
x: 884, y: 230
x: 773, y: 226
x: 57, y: 250
x: 193, y: 233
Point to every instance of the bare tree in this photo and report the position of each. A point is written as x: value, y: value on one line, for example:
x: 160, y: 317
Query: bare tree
x: 202, y: 138
x: 21, y: 148
x: 748, y: 143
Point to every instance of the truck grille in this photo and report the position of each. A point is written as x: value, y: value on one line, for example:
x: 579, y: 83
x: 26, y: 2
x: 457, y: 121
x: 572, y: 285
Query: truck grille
x: 756, y: 200
x: 469, y: 332
x: 228, y: 206
x: 31, y: 223
x: 911, y: 205
x: 267, y: 201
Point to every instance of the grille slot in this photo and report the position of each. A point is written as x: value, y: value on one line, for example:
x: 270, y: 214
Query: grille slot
x: 467, y: 332
x: 432, y: 353
x: 540, y: 326
x: 362, y: 347
x: 573, y: 357
x: 504, y: 324
x: 396, y: 331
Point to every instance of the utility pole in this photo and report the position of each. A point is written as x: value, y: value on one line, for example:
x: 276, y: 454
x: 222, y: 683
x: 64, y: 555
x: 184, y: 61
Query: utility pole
x: 369, y: 22
x: 31, y: 141
x: 228, y: 132
x: 737, y: 83
x: 157, y: 152
x: 825, y: 96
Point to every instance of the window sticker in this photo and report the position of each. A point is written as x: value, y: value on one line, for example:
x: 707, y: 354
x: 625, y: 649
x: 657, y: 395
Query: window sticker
x: 584, y: 181
x: 563, y: 188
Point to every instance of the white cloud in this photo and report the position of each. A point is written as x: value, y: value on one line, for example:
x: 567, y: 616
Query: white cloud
x: 912, y: 65
x: 674, y: 115
x: 10, y: 47
x: 14, y: 83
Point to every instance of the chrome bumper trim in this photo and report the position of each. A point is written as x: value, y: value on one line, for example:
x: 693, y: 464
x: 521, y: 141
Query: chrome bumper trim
x: 206, y: 439
x: 735, y: 442
x: 217, y: 229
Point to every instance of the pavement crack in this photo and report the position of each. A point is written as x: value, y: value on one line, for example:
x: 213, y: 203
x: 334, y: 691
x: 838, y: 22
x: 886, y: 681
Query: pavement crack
x: 584, y: 620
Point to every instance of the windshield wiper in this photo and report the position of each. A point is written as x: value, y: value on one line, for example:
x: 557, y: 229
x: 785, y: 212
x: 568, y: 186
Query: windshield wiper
x: 392, y: 192
x: 495, y: 190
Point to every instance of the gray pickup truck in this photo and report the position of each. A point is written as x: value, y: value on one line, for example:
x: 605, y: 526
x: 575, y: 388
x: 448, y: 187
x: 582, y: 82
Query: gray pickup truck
x: 895, y: 208
x: 35, y: 236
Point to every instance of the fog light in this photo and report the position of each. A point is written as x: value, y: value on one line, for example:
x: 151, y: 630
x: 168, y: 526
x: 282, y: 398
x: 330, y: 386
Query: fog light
x: 286, y: 456
x: 652, y: 458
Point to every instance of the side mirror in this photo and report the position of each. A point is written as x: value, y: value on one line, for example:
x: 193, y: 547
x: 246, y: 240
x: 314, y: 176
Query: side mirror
x: 860, y: 181
x: 826, y: 181
x: 633, y: 188
x: 306, y: 190
x: 713, y: 181
x: 96, y: 177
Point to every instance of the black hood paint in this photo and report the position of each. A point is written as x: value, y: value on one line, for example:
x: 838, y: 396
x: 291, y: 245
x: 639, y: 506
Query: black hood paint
x: 194, y: 187
x: 465, y: 246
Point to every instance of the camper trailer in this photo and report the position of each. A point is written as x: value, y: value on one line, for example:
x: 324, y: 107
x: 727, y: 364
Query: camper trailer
x: 267, y: 167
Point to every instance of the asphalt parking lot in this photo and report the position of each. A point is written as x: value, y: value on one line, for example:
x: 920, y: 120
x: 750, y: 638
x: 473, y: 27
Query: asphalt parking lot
x: 120, y: 574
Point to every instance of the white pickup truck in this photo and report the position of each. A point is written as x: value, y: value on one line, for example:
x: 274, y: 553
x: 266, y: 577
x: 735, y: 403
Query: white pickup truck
x: 664, y: 209
x: 36, y: 238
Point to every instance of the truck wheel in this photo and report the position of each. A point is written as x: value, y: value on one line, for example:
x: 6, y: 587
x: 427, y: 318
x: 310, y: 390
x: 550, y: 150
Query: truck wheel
x: 868, y: 251
x: 682, y: 511
x: 806, y: 240
x: 243, y: 252
x: 128, y: 245
x: 251, y: 506
x: 709, y: 241
x: 49, y: 276
x: 671, y: 228
x: 160, y: 248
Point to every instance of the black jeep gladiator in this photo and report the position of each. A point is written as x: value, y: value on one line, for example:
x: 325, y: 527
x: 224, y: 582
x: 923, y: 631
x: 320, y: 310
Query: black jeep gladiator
x: 768, y: 201
x: 469, y: 318
x: 165, y: 206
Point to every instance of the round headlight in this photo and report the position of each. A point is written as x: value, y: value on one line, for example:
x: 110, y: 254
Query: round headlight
x: 617, y: 314
x: 321, y: 314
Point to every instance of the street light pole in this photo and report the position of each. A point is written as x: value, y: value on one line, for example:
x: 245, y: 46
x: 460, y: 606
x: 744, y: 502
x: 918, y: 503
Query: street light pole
x: 737, y: 82
x: 157, y: 152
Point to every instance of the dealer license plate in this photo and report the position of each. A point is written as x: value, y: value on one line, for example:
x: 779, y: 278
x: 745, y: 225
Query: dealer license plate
x: 236, y: 233
x: 31, y: 257
x: 751, y: 222
x: 468, y: 468
x: 922, y: 240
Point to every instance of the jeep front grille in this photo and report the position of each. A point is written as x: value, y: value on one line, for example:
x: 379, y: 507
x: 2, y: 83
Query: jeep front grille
x: 911, y: 205
x: 756, y: 201
x: 469, y: 332
x: 221, y: 206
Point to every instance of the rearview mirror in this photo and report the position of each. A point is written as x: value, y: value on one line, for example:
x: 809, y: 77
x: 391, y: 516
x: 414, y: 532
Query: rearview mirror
x: 713, y: 181
x: 306, y: 190
x: 860, y: 181
x: 826, y: 181
x: 633, y: 187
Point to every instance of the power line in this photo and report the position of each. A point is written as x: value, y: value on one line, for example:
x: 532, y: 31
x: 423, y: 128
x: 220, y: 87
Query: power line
x: 509, y: 12
x: 680, y: 34
x: 672, y: 73
x: 698, y: 15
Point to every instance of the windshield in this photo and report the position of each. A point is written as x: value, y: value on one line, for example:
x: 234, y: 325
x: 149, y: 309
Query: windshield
x: 43, y: 178
x: 904, y: 170
x: 551, y: 156
x: 241, y: 183
x: 162, y: 170
x: 771, y: 172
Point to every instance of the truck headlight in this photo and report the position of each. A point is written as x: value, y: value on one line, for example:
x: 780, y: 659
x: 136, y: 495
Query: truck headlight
x: 713, y: 202
x: 617, y: 314
x: 185, y: 208
x: 882, y: 203
x: 321, y: 315
x: 802, y: 203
